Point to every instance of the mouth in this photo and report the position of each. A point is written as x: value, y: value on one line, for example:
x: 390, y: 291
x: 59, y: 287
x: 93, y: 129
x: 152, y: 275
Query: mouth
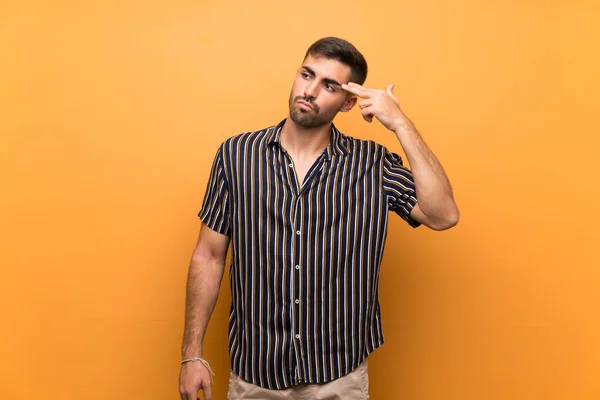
x: 305, y: 105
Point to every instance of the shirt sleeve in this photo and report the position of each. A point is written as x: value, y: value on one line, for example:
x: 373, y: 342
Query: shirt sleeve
x: 399, y: 187
x: 215, y: 207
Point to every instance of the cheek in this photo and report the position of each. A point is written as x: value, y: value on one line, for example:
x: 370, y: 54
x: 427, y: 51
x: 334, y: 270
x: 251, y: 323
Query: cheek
x: 335, y: 101
x: 297, y: 86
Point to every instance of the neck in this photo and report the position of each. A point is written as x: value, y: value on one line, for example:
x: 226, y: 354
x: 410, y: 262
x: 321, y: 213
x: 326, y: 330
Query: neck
x: 304, y: 141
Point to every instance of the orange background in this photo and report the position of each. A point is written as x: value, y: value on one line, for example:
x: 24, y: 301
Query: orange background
x: 111, y: 113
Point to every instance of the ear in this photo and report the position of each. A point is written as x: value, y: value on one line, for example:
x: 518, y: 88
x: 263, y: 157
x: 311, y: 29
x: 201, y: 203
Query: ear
x: 349, y: 103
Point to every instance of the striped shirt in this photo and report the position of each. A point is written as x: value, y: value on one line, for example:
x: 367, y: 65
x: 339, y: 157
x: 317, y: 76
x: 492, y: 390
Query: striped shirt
x: 304, y: 272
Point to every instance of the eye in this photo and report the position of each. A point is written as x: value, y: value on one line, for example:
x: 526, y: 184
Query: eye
x: 329, y: 87
x: 305, y: 75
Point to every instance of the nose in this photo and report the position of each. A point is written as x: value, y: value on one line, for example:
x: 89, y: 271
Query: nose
x: 310, y: 91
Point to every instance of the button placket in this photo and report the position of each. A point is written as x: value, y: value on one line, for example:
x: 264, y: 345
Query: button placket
x: 297, y: 256
x: 296, y: 279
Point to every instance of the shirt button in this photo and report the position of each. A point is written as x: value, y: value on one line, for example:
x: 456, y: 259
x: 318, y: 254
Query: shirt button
x: 297, y: 336
x: 297, y: 232
x: 297, y: 301
x: 291, y: 165
x: 297, y: 267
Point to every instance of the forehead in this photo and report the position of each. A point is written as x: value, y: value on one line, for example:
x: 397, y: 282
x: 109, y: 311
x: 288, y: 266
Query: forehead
x: 328, y: 68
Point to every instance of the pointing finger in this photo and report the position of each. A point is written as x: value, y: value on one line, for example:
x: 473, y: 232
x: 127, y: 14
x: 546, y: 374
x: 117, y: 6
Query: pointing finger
x: 365, y: 89
x: 356, y: 89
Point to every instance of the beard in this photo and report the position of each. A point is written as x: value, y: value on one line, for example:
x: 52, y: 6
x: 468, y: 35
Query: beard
x: 308, y: 118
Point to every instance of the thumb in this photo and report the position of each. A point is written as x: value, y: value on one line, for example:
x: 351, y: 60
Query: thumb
x: 389, y: 91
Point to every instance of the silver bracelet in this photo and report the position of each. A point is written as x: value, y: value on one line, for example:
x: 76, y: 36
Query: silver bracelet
x: 204, y: 362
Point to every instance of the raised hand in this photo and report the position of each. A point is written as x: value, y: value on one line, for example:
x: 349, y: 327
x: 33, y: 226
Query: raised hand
x: 381, y: 104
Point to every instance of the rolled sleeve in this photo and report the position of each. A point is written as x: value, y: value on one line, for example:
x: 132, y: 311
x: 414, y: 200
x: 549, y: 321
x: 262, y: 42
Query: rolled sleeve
x: 399, y: 186
x: 215, y: 207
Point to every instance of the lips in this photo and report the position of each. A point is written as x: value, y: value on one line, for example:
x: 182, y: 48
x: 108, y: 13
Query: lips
x: 305, y: 105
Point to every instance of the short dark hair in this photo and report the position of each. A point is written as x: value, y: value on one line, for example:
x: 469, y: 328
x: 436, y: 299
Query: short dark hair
x: 343, y: 51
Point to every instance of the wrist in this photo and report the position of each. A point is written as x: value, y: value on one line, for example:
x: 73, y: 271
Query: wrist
x: 191, y: 359
x: 203, y: 362
x: 401, y: 123
x: 192, y: 354
x: 191, y: 350
x: 404, y: 127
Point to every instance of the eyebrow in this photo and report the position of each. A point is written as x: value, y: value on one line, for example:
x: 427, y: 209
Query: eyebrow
x: 326, y: 80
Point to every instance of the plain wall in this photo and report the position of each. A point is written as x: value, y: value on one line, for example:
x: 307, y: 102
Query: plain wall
x: 110, y: 116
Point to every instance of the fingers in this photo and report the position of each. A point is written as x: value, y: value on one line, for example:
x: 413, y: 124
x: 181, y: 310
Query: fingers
x: 193, y: 395
x: 188, y: 395
x: 377, y: 103
x: 207, y: 393
x: 360, y: 91
x: 365, y: 103
x: 367, y: 114
x: 193, y: 378
x: 356, y: 89
x: 367, y: 93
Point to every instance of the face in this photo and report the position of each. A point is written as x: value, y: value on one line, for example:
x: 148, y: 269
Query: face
x: 317, y: 95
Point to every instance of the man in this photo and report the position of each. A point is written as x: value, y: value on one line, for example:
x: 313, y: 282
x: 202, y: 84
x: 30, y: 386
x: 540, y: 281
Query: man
x: 305, y: 208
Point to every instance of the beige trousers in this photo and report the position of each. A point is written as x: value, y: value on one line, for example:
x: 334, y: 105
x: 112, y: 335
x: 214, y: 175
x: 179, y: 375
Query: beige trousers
x: 354, y: 386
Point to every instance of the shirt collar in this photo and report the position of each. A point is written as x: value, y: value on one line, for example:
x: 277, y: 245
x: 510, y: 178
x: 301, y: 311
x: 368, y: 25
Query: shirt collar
x: 338, y: 143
